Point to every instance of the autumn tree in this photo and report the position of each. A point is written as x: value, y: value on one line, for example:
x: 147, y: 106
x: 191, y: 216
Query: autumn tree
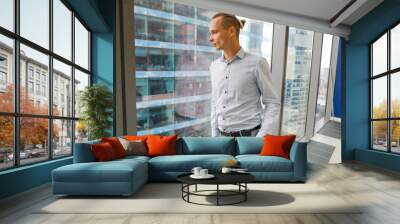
x: 380, y: 127
x: 33, y: 131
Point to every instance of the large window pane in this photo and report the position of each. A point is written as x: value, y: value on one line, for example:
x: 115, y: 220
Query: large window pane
x: 298, y: 69
x: 256, y: 37
x: 323, y: 81
x: 395, y: 47
x: 379, y: 135
x: 379, y: 98
x: 34, y: 144
x: 35, y: 21
x: 6, y: 142
x: 34, y: 78
x: 395, y: 136
x: 379, y: 56
x: 173, y: 56
x: 158, y: 5
x: 184, y: 10
x: 81, y: 81
x: 7, y: 14
x: 62, y: 29
x: 81, y: 45
x: 395, y: 95
x: 6, y: 74
x: 62, y: 138
x: 62, y: 89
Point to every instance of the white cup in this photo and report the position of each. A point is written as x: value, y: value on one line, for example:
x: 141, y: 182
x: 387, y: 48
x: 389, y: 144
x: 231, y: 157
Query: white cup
x: 196, y: 171
x: 203, y: 172
x: 226, y: 170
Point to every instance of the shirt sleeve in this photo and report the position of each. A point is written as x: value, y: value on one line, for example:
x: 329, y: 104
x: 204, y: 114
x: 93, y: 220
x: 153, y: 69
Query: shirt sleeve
x: 214, y: 125
x: 270, y: 99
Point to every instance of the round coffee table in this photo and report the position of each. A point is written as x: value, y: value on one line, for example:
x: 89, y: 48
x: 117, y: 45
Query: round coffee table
x: 238, y: 179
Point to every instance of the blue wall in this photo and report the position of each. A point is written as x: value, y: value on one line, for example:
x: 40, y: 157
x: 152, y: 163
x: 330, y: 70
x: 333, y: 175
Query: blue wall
x: 103, y: 50
x: 99, y: 15
x: 337, y: 93
x: 356, y: 83
x: 24, y: 178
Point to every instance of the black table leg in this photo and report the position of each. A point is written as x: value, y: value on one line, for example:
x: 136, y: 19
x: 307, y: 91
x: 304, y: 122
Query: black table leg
x: 245, y: 193
x: 217, y: 194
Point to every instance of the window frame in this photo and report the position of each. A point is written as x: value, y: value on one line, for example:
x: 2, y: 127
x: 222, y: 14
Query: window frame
x: 388, y: 74
x: 16, y: 115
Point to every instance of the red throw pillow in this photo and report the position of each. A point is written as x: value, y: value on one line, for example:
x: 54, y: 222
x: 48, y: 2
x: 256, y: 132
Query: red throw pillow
x: 116, y: 145
x: 103, y: 151
x: 277, y: 145
x: 161, y: 145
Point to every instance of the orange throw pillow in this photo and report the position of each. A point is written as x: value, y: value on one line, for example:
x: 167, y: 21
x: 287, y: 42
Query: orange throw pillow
x: 135, y: 138
x: 103, y: 152
x: 116, y: 145
x: 277, y: 145
x: 161, y: 145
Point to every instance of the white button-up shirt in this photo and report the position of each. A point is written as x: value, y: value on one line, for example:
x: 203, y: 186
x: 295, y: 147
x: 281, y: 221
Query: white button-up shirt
x: 238, y: 85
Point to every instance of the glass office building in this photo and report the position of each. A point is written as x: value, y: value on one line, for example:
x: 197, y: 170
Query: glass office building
x: 173, y: 56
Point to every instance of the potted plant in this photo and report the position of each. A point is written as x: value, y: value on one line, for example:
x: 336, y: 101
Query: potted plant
x: 96, y: 102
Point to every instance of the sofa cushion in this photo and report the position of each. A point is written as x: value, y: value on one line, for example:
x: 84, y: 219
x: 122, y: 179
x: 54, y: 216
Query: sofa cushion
x: 206, y: 145
x: 111, y: 171
x: 185, y: 163
x: 257, y: 163
x: 249, y: 145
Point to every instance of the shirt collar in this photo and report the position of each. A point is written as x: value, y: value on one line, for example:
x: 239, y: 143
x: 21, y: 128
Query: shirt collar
x: 240, y: 54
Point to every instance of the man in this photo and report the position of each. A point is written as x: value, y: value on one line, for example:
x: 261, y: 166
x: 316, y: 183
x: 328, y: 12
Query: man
x: 239, y: 79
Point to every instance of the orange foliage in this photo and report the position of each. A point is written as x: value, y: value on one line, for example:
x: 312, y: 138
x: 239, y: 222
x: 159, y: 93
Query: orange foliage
x: 34, y: 130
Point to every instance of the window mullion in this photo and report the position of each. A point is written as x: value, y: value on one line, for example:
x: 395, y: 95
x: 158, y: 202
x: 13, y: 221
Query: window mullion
x: 389, y: 101
x: 16, y: 69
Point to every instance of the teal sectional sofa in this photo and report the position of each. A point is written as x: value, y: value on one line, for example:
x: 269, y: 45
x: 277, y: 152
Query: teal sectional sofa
x: 125, y: 176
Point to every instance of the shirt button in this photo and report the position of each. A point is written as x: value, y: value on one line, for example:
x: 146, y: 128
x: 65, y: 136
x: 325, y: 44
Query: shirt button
x: 226, y: 77
x: 226, y: 92
x: 224, y: 107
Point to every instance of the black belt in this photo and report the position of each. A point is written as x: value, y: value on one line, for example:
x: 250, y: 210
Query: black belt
x: 241, y: 132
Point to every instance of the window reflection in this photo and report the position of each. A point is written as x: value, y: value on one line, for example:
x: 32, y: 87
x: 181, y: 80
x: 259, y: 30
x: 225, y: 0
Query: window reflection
x: 296, y: 89
x: 379, y: 56
x: 379, y: 133
x: 6, y: 75
x: 379, y: 98
x: 35, y: 25
x: 7, y: 14
x: 36, y: 102
x: 173, y: 56
x: 62, y: 138
x: 6, y: 142
x: 62, y: 29
x: 33, y: 140
x: 323, y: 82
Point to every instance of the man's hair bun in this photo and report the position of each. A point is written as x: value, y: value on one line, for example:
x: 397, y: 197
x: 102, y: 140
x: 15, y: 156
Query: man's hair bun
x: 242, y: 22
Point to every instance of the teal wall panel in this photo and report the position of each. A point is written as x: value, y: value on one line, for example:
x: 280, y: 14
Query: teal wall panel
x: 24, y: 178
x: 356, y: 125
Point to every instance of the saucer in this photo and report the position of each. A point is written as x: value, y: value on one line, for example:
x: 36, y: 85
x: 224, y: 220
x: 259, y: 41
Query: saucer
x: 208, y: 176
